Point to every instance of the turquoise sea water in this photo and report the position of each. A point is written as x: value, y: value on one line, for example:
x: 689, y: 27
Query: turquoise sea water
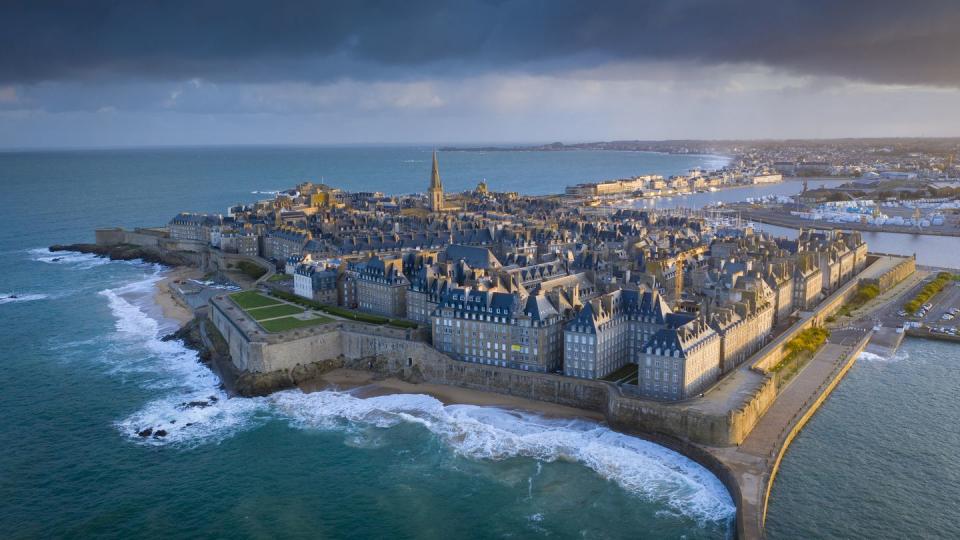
x: 881, y: 458
x: 84, y: 369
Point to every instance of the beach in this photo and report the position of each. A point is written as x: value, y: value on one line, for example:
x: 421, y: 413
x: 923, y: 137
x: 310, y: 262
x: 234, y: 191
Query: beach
x: 366, y: 385
x: 171, y: 306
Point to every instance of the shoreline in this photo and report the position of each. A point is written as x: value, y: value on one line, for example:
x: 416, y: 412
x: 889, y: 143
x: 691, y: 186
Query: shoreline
x: 367, y: 385
x: 170, y: 305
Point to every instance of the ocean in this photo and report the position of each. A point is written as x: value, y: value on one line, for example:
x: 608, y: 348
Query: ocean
x: 85, y: 368
x: 879, y: 459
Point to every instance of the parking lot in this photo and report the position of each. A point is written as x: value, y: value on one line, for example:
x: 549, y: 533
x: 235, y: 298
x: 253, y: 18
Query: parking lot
x: 942, y: 313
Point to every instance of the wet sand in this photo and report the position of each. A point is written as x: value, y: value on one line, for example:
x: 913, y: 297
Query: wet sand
x: 367, y: 385
x: 171, y: 306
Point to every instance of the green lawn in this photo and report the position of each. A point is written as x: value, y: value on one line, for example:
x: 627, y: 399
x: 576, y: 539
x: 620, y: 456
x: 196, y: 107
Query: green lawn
x: 253, y: 299
x: 289, y: 323
x: 269, y: 312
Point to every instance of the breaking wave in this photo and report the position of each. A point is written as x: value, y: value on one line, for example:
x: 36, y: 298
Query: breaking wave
x: 9, y: 298
x: 265, y: 192
x: 194, y: 410
x: 82, y: 261
x: 873, y: 357
x: 638, y: 466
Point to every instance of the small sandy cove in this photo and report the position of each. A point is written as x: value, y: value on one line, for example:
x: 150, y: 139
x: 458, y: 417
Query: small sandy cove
x: 367, y: 385
x: 170, y: 305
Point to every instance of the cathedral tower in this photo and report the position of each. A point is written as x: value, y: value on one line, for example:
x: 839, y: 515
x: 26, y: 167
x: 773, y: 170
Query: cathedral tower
x: 436, y: 188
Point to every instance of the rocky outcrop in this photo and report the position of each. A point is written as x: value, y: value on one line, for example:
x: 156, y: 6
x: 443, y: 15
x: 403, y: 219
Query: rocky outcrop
x: 127, y: 252
x: 191, y: 337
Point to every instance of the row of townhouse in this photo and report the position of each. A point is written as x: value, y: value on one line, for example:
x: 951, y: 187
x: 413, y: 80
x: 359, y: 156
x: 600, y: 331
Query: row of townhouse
x: 677, y: 354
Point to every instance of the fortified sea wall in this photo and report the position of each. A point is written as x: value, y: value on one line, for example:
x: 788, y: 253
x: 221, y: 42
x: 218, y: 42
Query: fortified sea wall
x: 404, y: 354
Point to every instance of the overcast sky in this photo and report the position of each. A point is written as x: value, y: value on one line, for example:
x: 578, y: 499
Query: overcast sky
x: 118, y: 73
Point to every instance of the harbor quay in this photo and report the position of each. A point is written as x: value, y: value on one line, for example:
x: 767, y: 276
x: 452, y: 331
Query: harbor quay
x: 690, y: 330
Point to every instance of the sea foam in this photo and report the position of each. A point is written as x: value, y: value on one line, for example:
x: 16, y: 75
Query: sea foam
x: 82, y: 261
x: 866, y: 356
x: 475, y: 432
x: 193, y: 408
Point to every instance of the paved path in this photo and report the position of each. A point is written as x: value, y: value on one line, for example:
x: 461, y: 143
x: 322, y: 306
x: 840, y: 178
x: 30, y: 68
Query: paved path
x: 756, y: 460
x: 801, y: 391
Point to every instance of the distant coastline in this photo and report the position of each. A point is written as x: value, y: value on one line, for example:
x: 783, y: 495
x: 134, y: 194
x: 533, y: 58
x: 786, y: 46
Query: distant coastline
x: 653, y: 147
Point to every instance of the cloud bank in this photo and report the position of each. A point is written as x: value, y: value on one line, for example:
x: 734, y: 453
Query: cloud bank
x: 881, y: 41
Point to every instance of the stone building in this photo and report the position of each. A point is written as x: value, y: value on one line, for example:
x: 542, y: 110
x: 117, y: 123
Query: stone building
x: 499, y: 328
x: 808, y: 282
x: 193, y: 227
x: 378, y: 286
x: 744, y: 322
x: 605, y: 334
x: 780, y: 280
x: 316, y: 281
x: 284, y: 242
x: 677, y: 354
x: 679, y: 361
x: 240, y: 242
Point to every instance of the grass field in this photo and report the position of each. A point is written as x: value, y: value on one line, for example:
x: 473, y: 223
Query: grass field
x: 289, y: 323
x: 253, y: 299
x: 269, y: 312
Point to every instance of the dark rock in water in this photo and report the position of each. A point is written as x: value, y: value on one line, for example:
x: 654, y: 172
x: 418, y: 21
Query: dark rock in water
x: 195, y: 404
x: 146, y: 432
x: 173, y: 421
x: 213, y: 399
x: 160, y: 433
x: 188, y: 424
x: 12, y: 296
x: 57, y: 259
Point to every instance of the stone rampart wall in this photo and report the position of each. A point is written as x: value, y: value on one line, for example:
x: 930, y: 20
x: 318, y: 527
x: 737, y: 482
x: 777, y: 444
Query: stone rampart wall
x: 116, y: 236
x: 394, y: 352
x: 897, y: 274
x: 109, y: 237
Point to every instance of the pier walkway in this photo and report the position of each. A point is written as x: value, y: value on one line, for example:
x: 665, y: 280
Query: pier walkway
x: 755, y: 462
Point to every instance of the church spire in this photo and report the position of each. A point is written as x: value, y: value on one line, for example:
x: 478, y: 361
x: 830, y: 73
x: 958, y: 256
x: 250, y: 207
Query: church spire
x: 435, y: 174
x: 436, y: 188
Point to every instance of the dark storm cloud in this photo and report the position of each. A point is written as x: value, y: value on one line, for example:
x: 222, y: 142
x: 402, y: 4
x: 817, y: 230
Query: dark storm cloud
x: 888, y: 41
